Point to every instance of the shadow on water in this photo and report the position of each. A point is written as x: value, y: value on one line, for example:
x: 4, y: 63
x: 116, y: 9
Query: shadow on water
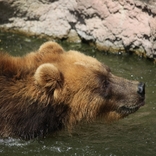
x: 132, y: 136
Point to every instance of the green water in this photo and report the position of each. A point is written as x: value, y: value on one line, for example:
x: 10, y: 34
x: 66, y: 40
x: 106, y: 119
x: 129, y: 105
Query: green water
x: 132, y: 136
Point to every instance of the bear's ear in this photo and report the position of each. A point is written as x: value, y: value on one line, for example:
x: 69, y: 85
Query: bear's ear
x: 48, y: 76
x: 51, y: 47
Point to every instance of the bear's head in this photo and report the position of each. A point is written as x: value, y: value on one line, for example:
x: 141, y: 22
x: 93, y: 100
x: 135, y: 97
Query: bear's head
x: 86, y: 86
x: 50, y: 89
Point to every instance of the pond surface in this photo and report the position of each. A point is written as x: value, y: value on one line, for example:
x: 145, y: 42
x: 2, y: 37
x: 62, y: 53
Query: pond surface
x: 132, y: 136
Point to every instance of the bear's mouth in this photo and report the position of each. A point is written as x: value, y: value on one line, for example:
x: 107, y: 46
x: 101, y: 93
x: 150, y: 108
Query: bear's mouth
x: 126, y: 110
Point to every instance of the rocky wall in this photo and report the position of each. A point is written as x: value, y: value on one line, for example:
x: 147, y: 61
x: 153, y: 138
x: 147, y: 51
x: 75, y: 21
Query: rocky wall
x: 111, y: 25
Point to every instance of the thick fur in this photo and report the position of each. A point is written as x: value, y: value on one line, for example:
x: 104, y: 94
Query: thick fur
x: 51, y: 89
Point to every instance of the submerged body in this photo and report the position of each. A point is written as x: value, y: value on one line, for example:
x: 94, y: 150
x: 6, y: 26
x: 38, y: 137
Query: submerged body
x: 51, y: 89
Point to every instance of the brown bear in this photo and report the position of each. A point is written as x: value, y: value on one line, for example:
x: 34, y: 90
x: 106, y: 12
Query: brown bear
x: 48, y: 90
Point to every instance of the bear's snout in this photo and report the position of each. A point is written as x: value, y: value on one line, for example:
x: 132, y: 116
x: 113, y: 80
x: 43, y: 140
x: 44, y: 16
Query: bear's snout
x: 141, y: 89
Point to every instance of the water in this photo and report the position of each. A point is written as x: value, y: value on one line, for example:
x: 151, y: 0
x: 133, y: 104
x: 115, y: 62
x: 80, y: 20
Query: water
x: 132, y: 136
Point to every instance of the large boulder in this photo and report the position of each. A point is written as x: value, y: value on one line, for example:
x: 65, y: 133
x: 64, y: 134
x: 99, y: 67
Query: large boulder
x: 117, y: 26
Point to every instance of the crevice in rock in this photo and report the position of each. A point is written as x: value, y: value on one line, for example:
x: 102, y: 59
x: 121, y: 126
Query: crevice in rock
x: 146, y: 37
x: 80, y: 17
x: 47, y: 1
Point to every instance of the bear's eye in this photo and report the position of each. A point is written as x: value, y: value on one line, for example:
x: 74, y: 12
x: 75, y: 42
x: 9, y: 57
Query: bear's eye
x: 103, y: 81
x: 105, y: 89
x: 104, y: 84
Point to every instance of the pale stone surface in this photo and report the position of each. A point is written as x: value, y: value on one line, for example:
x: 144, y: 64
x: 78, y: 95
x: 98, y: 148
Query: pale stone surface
x: 118, y: 25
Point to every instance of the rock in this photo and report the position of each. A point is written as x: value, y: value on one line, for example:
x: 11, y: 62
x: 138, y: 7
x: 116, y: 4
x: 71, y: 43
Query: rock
x: 127, y: 25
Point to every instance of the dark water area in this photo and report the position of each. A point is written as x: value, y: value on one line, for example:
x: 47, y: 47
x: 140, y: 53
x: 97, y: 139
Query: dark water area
x: 132, y: 136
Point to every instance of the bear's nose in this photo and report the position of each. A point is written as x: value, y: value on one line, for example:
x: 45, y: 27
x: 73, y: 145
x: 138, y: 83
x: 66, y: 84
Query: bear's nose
x: 141, y: 89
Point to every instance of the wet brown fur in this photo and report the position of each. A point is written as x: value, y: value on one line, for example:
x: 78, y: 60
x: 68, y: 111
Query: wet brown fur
x: 51, y: 89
